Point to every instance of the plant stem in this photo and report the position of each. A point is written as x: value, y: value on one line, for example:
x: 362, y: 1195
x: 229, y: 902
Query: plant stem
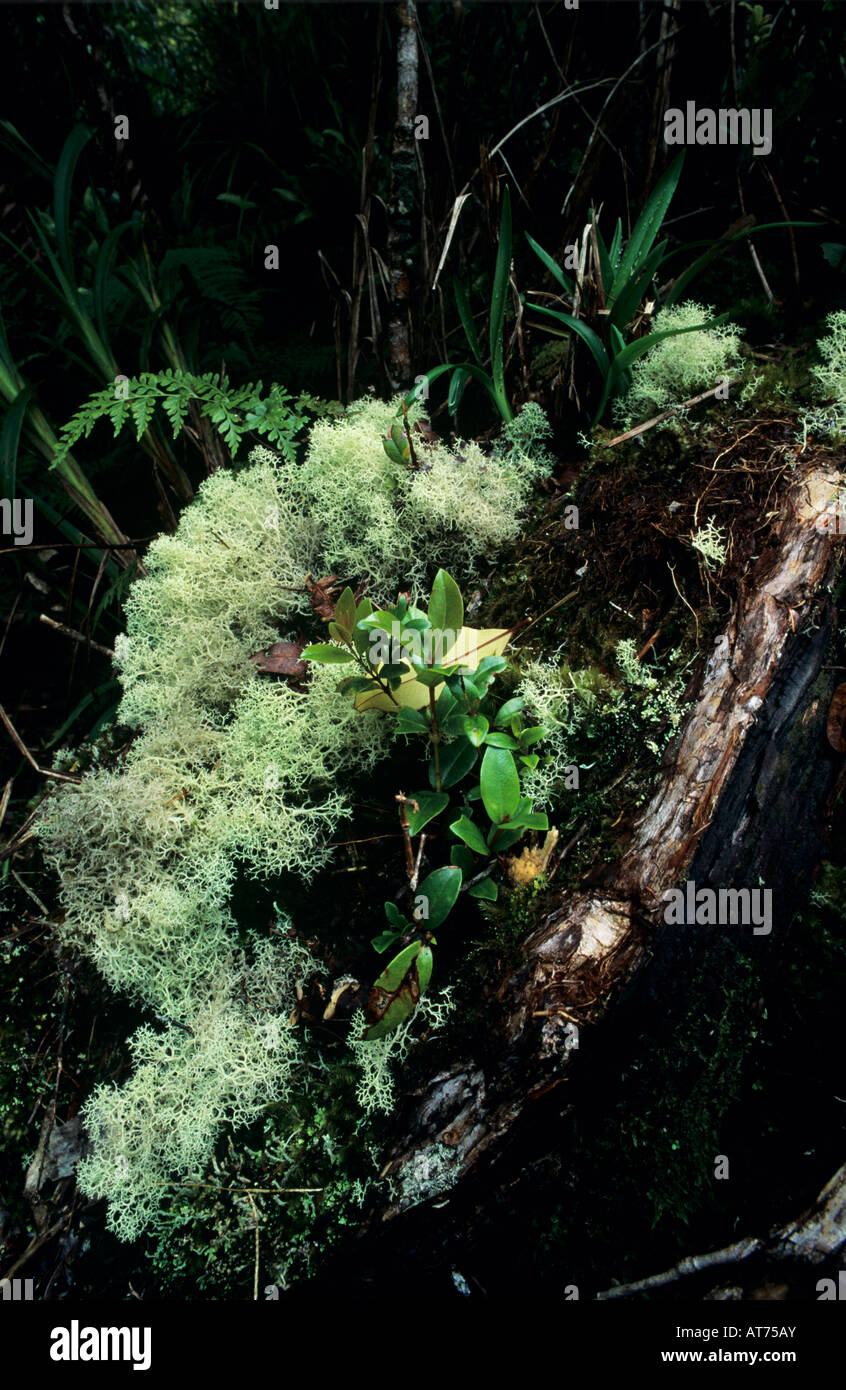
x: 369, y: 671
x: 435, y: 736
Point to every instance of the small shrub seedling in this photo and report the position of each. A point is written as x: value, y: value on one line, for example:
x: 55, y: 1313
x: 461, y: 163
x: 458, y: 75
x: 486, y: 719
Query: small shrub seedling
x: 435, y: 675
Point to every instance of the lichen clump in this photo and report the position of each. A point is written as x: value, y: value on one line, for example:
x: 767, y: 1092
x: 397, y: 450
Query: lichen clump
x: 830, y: 379
x: 231, y: 771
x: 680, y: 367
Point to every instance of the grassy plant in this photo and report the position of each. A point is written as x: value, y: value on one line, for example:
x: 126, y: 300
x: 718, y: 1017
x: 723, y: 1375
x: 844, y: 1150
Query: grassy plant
x: 624, y: 276
x: 462, y: 372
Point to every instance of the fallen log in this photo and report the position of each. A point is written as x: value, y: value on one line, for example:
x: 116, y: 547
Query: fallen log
x: 743, y: 797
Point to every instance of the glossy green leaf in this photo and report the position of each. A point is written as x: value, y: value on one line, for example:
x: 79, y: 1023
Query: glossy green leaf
x: 486, y: 890
x: 424, y: 968
x: 361, y: 639
x: 396, y: 1013
x: 496, y: 740
x: 463, y: 857
x: 446, y: 606
x: 475, y: 728
x: 354, y: 685
x: 396, y: 918
x: 396, y: 970
x: 438, y: 891
x: 430, y: 803
x: 501, y: 840
x: 506, y: 712
x: 385, y: 940
x: 346, y: 611
x: 412, y: 721
x: 500, y: 784
x: 328, y: 655
x: 472, y: 836
x: 457, y: 759
x: 431, y: 676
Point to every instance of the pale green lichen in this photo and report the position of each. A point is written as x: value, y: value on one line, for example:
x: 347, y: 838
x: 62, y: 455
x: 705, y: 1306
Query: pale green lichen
x: 158, y: 1129
x: 230, y: 769
x: 572, y: 705
x: 710, y: 541
x: 680, y: 367
x: 829, y: 419
x: 377, y: 1057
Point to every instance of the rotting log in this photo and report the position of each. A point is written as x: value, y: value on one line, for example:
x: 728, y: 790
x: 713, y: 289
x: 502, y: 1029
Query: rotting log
x: 743, y: 796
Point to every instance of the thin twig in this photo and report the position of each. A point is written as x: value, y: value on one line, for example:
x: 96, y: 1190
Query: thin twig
x: 665, y: 414
x: 684, y: 601
x: 74, y: 635
x: 251, y: 1201
x: 406, y: 832
x: 21, y: 747
x: 691, y: 1264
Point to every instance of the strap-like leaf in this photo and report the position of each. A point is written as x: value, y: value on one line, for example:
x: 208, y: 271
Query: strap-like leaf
x: 463, y: 306
x: 648, y: 225
x: 587, y: 334
x: 553, y: 267
x: 502, y: 274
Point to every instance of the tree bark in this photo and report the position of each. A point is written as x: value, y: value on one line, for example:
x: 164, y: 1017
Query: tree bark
x: 403, y: 199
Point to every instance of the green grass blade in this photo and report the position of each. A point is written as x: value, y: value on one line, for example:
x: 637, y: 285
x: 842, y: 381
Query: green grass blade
x: 718, y: 249
x: 463, y: 306
x: 615, y: 247
x: 458, y: 381
x: 633, y: 351
x: 72, y: 149
x: 630, y: 296
x: 502, y: 274
x: 604, y: 258
x: 105, y: 257
x: 553, y: 267
x: 10, y: 440
x: 586, y: 333
x: 648, y: 225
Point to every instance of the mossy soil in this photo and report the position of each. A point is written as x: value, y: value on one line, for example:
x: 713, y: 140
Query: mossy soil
x: 751, y: 1069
